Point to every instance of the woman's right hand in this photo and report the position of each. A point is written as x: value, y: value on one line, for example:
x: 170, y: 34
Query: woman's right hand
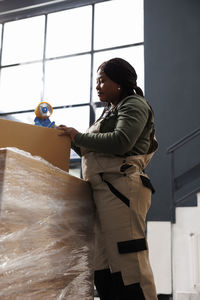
x: 68, y: 131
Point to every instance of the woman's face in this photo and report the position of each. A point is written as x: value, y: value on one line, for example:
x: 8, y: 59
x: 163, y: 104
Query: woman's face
x: 107, y: 90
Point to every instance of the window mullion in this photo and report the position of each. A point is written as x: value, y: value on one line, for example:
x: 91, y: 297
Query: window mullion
x: 92, y: 111
x: 1, y: 49
x: 44, y: 58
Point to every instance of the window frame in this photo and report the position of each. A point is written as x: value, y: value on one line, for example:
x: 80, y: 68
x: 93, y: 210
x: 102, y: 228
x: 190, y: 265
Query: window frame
x: 46, y: 9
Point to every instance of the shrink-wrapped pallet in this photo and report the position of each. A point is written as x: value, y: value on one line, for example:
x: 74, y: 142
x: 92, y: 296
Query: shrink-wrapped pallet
x: 46, y: 231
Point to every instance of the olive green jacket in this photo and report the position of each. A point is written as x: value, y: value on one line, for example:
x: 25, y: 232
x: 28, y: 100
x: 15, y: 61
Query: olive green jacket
x: 125, y: 131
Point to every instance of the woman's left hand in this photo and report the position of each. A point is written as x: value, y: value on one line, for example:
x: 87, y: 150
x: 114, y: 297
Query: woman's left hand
x: 69, y: 131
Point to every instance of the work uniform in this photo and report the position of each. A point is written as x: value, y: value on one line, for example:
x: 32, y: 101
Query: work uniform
x: 122, y: 195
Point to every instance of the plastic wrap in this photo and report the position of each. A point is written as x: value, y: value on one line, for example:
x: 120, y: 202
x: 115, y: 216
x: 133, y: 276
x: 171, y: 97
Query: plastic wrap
x: 46, y: 231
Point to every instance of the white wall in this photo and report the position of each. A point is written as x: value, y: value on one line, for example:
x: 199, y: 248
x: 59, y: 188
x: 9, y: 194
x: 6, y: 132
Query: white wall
x: 186, y: 253
x: 159, y: 240
x: 174, y: 251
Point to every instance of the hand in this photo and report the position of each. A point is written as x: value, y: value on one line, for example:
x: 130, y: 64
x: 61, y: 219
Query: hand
x: 69, y: 131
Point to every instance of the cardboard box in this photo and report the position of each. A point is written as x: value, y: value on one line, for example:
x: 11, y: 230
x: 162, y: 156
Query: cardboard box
x: 39, y: 141
x: 46, y: 231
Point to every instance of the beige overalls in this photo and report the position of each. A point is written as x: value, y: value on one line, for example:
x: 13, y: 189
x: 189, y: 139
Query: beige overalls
x: 122, y: 195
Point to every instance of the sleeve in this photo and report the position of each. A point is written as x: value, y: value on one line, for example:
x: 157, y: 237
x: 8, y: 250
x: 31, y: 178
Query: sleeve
x: 131, y: 120
x: 76, y: 148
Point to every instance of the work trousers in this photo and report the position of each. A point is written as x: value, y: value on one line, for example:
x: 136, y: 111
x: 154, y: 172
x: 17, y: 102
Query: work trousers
x: 122, y: 195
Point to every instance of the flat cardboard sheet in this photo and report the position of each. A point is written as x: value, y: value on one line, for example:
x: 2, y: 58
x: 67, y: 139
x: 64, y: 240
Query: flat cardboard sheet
x: 39, y: 141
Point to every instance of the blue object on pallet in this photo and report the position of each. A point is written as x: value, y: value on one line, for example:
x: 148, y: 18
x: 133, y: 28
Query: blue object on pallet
x: 44, y: 122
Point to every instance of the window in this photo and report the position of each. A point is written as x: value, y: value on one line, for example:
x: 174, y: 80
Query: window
x: 20, y: 87
x: 0, y: 34
x: 69, y: 32
x: 23, y: 41
x: 118, y: 23
x: 54, y: 57
x: 67, y: 80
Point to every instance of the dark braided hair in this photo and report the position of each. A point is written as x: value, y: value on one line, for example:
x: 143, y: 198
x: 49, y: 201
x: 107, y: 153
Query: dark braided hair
x: 121, y: 72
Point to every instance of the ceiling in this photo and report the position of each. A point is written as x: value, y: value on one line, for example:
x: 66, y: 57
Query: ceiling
x: 16, y: 9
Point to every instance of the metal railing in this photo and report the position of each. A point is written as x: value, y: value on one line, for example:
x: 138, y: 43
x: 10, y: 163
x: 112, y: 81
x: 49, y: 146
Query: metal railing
x: 178, y: 182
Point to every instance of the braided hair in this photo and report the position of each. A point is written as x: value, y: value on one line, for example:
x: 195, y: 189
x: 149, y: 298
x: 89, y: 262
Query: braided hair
x: 121, y: 72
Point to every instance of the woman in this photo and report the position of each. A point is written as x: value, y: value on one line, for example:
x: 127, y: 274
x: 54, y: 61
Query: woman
x: 115, y: 151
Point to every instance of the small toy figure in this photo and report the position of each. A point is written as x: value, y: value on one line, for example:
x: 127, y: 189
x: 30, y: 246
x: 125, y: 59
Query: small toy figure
x: 43, y: 111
